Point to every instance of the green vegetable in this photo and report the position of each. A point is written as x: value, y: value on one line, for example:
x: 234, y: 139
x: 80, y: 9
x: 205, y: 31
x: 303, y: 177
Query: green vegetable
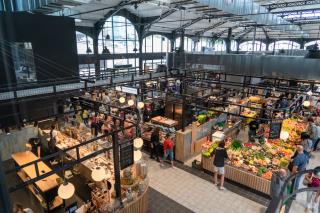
x: 236, y: 145
x: 206, y: 154
x: 202, y: 119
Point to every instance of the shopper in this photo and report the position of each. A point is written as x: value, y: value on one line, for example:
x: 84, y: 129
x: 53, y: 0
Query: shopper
x: 18, y: 208
x: 94, y: 128
x: 314, y: 132
x: 53, y: 139
x: 277, y: 181
x: 85, y: 116
x: 220, y: 155
x: 168, y: 149
x: 155, y: 141
x: 253, y: 127
x: 313, y: 180
x: 299, y: 164
x: 284, y: 103
x: 307, y: 144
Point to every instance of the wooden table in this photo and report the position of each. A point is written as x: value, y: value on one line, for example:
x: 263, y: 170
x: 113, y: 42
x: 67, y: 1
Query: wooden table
x: 43, y: 189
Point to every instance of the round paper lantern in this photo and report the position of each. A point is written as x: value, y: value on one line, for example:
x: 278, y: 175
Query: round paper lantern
x: 140, y: 105
x: 130, y: 102
x: 66, y: 190
x: 98, y: 174
x: 138, y: 143
x: 284, y: 135
x: 122, y: 100
x: 137, y: 155
x: 306, y: 103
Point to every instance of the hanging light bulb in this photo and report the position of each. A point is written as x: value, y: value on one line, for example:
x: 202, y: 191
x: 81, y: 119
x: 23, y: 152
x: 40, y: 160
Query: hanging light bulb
x: 140, y: 105
x: 137, y: 155
x: 138, y: 143
x: 306, y: 103
x: 122, y: 100
x: 130, y: 102
x: 135, y: 49
x: 107, y: 37
x: 98, y: 174
x: 66, y: 190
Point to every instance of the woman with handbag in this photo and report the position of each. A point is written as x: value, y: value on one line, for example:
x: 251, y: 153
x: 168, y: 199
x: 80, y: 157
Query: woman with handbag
x: 312, y: 180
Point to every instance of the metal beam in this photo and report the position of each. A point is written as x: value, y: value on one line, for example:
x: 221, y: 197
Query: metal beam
x: 258, y: 13
x: 188, y: 24
x: 243, y: 33
x: 162, y: 16
x: 211, y: 27
x: 265, y: 32
x: 291, y: 4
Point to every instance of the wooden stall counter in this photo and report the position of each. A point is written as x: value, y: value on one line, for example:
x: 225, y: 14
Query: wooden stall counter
x: 44, y: 190
x: 240, y: 176
x: 164, y: 121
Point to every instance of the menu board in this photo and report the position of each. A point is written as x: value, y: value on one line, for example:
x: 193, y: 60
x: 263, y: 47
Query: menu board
x: 275, y: 129
x: 126, y: 154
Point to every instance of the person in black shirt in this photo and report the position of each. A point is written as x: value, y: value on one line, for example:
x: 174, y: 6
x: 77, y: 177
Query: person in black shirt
x: 155, y: 143
x: 253, y: 127
x: 220, y: 155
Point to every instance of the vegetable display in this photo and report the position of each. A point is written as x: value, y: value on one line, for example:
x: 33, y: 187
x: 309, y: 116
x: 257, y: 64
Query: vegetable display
x: 262, y: 159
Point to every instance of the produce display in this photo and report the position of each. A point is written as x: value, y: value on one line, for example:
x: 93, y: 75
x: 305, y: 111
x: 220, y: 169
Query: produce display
x: 262, y: 158
x: 294, y: 126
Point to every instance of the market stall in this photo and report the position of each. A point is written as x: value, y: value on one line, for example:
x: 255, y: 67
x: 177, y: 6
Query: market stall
x: 252, y: 164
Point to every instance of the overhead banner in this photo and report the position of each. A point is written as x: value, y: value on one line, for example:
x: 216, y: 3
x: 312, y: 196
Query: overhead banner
x: 130, y: 90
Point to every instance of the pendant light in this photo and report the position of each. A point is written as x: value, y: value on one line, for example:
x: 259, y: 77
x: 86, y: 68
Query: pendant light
x: 98, y: 174
x: 122, y: 100
x: 89, y: 50
x: 306, y: 103
x: 66, y: 190
x: 130, y: 102
x: 138, y: 143
x: 140, y: 105
x: 137, y: 155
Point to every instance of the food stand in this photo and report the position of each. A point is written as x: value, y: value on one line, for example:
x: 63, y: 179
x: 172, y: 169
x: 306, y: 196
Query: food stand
x: 252, y: 164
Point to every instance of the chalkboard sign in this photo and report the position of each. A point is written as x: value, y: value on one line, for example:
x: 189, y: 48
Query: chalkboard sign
x: 275, y: 129
x: 126, y: 154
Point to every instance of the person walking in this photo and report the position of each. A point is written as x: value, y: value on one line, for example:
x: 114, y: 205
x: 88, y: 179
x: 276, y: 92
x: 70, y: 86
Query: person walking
x: 314, y: 133
x: 277, y: 181
x: 313, y: 180
x: 219, y: 157
x: 155, y: 141
x: 168, y: 149
x: 299, y: 164
x: 307, y: 144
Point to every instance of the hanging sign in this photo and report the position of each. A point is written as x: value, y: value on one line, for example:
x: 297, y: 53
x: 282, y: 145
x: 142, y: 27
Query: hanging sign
x: 130, y: 90
x: 126, y: 154
x: 275, y: 129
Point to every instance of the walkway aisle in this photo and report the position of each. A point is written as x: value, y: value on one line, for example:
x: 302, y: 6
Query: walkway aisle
x: 195, y: 193
x: 300, y: 203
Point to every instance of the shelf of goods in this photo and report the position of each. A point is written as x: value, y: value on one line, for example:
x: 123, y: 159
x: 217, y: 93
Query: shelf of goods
x: 252, y: 164
x: 134, y: 182
x: 44, y: 190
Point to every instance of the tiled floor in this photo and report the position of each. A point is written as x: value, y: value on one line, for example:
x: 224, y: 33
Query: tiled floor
x: 195, y: 193
x: 160, y: 203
